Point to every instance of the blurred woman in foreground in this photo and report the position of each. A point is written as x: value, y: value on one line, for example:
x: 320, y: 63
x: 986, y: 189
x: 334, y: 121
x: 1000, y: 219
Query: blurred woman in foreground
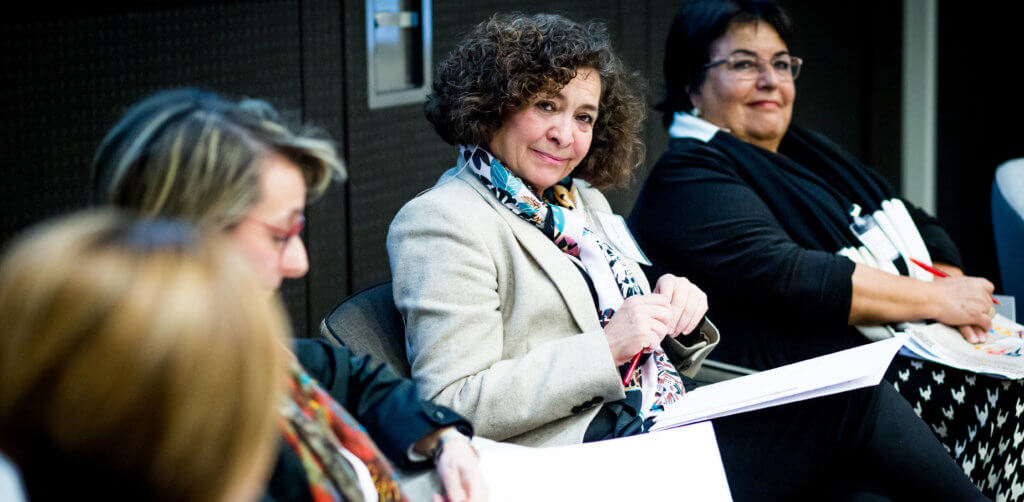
x: 137, y: 362
x: 233, y: 169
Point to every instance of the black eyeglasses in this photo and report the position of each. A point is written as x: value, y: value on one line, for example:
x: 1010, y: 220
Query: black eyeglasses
x: 743, y: 66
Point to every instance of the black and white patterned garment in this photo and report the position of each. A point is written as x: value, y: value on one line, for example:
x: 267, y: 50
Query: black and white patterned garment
x: 979, y: 419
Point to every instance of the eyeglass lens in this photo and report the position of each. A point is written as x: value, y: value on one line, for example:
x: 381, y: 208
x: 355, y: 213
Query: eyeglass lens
x: 747, y: 66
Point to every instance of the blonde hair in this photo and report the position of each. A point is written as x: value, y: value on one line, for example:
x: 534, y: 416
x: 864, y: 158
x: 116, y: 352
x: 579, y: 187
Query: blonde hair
x: 195, y: 155
x: 137, y: 361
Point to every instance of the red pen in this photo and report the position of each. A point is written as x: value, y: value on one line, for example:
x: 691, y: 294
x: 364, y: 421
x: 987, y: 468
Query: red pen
x: 938, y: 273
x: 632, y: 368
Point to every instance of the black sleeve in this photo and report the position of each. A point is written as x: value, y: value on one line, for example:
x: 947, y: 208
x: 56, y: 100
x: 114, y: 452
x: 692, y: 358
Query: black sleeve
x: 940, y: 246
x: 383, y: 402
x: 697, y: 218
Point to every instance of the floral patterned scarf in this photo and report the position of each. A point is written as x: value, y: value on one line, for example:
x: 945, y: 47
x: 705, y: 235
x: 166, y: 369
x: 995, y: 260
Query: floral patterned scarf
x: 557, y: 216
x: 318, y: 428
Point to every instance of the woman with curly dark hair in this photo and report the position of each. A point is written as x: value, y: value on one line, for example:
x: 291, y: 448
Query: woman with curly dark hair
x: 523, y: 313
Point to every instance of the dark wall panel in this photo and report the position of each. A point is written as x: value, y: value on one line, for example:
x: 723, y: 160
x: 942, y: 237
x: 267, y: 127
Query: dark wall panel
x: 68, y: 76
x: 323, y: 106
x: 979, y: 122
x: 850, y: 87
x: 641, y: 44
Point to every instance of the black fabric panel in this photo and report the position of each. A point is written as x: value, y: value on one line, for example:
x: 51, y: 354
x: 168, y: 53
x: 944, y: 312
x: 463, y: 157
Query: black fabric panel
x: 69, y: 76
x: 323, y: 107
x: 641, y: 45
x: 884, y: 127
x: 978, y: 123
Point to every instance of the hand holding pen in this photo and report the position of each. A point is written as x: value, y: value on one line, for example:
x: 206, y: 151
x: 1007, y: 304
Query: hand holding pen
x: 638, y: 326
x: 938, y: 273
x: 678, y: 308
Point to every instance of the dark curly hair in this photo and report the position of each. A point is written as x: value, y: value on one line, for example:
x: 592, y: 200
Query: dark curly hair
x: 510, y: 58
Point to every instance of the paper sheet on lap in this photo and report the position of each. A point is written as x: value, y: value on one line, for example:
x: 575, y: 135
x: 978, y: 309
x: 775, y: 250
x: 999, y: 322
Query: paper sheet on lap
x: 608, y: 470
x: 1001, y: 357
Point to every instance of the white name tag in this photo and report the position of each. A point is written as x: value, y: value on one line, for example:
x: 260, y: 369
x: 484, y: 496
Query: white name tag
x: 621, y: 238
x: 873, y: 238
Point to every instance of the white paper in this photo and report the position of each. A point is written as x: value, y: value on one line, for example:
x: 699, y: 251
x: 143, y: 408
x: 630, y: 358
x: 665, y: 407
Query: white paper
x: 1007, y: 306
x: 845, y: 370
x: 642, y: 467
x: 619, y: 236
x: 1002, y: 356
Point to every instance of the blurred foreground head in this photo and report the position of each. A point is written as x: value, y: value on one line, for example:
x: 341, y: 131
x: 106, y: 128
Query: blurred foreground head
x: 137, y: 360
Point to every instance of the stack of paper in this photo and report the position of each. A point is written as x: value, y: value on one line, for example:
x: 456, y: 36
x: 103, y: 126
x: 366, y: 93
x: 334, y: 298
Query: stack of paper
x: 1002, y: 356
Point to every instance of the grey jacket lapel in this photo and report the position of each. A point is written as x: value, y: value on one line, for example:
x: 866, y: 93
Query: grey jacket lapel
x: 556, y: 265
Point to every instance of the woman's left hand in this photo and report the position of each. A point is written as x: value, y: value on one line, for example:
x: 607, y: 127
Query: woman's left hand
x: 687, y: 302
x: 459, y: 469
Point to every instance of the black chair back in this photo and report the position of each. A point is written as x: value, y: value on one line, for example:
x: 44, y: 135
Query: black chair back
x: 368, y: 323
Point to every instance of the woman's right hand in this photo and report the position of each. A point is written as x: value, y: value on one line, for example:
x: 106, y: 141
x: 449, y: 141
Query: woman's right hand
x: 965, y: 302
x: 639, y: 324
x: 459, y: 470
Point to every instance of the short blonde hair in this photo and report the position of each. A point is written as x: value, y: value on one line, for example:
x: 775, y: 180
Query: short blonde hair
x: 137, y: 360
x: 195, y: 155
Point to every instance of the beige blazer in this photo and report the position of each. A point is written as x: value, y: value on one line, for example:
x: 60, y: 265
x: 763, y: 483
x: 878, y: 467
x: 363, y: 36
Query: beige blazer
x: 500, y: 324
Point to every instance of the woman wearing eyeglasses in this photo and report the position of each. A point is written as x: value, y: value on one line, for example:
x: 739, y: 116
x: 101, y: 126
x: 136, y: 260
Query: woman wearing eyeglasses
x: 759, y: 213
x: 232, y: 168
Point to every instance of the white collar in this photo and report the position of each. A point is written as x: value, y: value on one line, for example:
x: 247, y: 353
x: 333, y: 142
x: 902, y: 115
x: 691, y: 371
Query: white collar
x: 685, y: 125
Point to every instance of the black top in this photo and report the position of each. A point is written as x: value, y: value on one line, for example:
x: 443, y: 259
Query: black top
x: 758, y: 232
x: 383, y: 402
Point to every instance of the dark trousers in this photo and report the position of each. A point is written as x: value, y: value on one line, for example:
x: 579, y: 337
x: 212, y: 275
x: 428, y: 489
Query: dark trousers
x: 861, y: 445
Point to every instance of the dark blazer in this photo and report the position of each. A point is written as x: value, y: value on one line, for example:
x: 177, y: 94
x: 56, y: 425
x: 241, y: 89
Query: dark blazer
x: 383, y: 402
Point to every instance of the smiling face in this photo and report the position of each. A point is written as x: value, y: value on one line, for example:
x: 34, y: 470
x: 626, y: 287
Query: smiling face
x: 544, y: 141
x: 757, y: 111
x: 263, y: 235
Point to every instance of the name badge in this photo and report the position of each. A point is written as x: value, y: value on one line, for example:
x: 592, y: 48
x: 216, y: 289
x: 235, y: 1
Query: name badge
x: 872, y: 236
x: 621, y: 238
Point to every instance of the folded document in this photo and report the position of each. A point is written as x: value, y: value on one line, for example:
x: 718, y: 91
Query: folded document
x: 845, y: 370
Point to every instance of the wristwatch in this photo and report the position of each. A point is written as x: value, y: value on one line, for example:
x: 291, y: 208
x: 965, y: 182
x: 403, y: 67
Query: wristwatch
x: 451, y: 434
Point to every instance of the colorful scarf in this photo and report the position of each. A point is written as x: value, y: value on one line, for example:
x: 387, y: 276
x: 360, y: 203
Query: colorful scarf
x: 557, y: 216
x: 318, y: 428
